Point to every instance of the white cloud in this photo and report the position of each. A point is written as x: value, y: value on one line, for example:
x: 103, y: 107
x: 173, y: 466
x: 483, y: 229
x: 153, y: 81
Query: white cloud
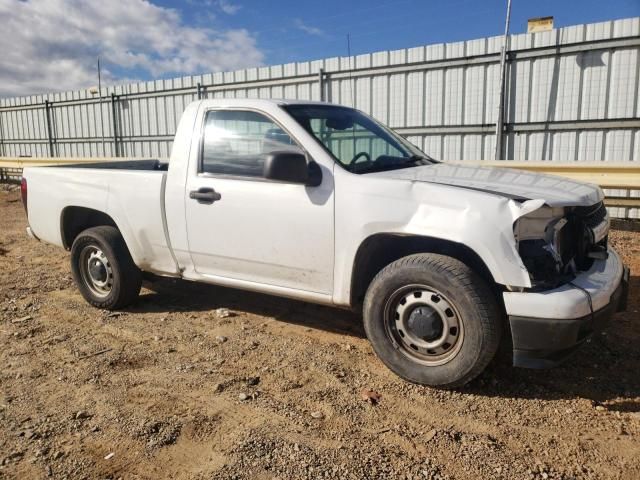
x: 225, y: 6
x: 50, y: 45
x: 300, y: 25
x: 228, y: 7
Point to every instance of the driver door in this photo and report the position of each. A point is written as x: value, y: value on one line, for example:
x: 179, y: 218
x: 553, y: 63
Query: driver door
x: 253, y: 229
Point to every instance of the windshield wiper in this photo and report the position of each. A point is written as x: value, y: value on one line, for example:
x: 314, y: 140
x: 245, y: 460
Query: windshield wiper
x: 413, y: 161
x: 417, y: 158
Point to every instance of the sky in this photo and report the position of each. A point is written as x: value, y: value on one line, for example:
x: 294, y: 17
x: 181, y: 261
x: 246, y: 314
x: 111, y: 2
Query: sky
x: 52, y: 45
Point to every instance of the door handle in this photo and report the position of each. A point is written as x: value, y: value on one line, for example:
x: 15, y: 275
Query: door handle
x: 205, y: 195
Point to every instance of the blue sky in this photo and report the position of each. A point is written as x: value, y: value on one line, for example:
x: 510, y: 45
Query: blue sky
x: 53, y: 45
x: 289, y: 30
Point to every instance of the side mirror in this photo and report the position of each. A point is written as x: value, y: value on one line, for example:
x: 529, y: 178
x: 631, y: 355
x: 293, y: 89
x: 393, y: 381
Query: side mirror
x: 292, y: 167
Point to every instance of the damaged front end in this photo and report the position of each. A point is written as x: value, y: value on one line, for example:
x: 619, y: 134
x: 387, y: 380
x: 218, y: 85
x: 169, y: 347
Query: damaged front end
x: 555, y: 243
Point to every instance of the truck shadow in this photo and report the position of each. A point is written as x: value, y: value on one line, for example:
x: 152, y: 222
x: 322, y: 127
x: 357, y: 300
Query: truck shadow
x: 604, y: 371
x: 170, y: 295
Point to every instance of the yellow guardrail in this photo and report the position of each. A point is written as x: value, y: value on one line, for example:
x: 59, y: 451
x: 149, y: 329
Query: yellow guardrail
x: 623, y: 175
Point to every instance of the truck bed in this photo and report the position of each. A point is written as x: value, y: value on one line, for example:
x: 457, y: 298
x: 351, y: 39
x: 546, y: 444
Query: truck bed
x: 131, y: 193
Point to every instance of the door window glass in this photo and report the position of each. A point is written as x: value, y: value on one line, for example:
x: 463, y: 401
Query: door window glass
x: 236, y: 142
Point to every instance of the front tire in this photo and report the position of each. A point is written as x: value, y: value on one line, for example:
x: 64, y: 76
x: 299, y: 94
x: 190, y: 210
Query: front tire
x: 432, y: 320
x: 103, y: 269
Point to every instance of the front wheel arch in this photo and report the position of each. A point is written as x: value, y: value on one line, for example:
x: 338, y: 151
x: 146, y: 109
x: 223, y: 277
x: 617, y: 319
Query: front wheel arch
x: 381, y: 249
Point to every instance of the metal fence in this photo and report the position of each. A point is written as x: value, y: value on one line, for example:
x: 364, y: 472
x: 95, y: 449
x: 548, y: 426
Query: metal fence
x: 571, y: 95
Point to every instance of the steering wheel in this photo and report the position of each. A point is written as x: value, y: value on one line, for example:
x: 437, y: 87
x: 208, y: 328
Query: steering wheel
x: 361, y: 154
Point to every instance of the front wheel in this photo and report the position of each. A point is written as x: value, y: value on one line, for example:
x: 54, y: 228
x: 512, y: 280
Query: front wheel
x: 432, y: 320
x: 103, y: 269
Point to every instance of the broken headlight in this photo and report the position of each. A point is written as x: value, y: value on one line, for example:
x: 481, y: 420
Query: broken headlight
x: 555, y: 243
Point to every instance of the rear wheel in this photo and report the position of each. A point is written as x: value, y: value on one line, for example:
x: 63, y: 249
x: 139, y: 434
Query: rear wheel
x: 103, y: 269
x: 432, y: 320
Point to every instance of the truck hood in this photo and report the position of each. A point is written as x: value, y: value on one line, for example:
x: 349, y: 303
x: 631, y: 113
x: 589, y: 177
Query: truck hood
x: 517, y: 184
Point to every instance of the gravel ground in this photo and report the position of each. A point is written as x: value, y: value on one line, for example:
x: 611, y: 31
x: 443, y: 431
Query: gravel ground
x: 174, y: 388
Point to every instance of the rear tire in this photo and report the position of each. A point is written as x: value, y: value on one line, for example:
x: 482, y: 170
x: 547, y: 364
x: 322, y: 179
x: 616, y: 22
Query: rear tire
x: 432, y: 320
x: 103, y: 269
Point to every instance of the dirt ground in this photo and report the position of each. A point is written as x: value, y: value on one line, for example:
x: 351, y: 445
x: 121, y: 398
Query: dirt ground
x: 171, y: 389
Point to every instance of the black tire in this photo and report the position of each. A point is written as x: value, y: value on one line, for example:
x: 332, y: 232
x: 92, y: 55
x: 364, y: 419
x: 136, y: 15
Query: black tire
x: 425, y: 280
x: 113, y: 264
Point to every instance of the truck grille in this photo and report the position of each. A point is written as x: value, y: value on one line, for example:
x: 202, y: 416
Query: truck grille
x: 592, y: 216
x: 585, y: 232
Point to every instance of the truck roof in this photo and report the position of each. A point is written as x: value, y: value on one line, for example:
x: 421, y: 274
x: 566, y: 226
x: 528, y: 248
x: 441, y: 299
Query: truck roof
x: 257, y: 102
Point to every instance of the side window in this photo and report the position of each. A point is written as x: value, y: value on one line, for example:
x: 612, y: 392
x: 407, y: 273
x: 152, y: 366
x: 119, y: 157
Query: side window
x: 236, y: 142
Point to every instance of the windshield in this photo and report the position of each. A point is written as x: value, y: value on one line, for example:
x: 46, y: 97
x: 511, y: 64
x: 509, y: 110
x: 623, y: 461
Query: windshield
x: 356, y: 141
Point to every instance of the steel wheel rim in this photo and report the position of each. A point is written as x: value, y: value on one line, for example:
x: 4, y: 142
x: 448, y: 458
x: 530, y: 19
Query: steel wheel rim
x: 414, y: 310
x: 96, y: 271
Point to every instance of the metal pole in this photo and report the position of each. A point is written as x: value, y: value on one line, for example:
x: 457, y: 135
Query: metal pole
x: 321, y: 83
x: 1, y: 137
x: 351, y: 85
x: 503, y: 68
x: 114, y: 112
x: 100, y: 100
x: 47, y: 108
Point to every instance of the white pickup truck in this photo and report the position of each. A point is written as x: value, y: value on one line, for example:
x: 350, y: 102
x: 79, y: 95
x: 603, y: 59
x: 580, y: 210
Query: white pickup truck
x: 322, y: 203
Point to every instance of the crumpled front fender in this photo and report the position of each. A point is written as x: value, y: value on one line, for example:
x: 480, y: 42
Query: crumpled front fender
x: 483, y: 224
x: 481, y: 221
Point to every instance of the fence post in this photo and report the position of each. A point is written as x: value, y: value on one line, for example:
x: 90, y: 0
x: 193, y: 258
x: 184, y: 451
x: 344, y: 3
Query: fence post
x: 499, y: 155
x: 47, y: 107
x: 2, y: 154
x: 114, y: 112
x: 321, y: 83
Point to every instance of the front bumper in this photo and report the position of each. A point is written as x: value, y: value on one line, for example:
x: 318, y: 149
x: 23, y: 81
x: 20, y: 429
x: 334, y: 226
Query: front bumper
x: 546, y: 327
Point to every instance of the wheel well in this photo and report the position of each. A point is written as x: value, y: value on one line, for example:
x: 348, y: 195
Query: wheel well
x: 75, y: 220
x: 379, y: 250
